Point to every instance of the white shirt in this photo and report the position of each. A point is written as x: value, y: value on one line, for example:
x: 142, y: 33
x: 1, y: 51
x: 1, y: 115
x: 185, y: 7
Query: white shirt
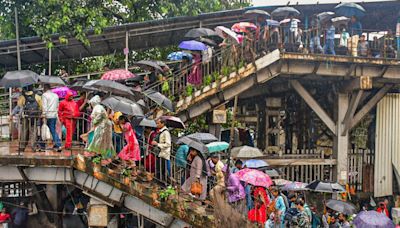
x: 165, y: 144
x: 50, y: 104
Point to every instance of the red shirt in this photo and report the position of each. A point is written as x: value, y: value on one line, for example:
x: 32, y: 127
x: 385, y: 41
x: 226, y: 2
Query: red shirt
x: 4, y: 217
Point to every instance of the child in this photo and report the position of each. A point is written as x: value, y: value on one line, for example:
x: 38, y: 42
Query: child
x: 131, y: 151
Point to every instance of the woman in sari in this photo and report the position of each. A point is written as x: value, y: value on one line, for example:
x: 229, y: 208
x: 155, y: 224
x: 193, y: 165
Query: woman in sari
x: 102, y: 131
x: 130, y: 154
x: 228, y: 51
x: 197, y: 173
x: 195, y: 76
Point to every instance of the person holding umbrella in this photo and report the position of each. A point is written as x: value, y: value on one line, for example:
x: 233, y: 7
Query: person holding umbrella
x: 198, y: 174
x: 315, y: 31
x: 355, y: 29
x: 50, y: 104
x: 329, y: 47
x: 30, y: 104
x: 164, y: 144
x: 277, y: 218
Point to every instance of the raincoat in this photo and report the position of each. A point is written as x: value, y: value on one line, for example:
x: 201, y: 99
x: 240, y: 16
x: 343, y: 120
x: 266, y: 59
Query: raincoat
x: 235, y: 189
x: 131, y: 151
x: 102, y: 138
x: 67, y: 111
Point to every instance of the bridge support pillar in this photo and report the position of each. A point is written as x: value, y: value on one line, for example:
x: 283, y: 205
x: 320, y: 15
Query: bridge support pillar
x: 341, y: 139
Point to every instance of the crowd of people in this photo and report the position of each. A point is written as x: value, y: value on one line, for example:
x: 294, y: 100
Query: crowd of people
x: 116, y: 137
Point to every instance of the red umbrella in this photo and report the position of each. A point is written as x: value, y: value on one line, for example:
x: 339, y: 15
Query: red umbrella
x: 116, y: 75
x: 174, y: 122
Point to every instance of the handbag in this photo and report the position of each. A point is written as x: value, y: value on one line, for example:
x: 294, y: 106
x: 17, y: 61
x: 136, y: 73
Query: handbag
x: 196, y: 188
x: 45, y: 132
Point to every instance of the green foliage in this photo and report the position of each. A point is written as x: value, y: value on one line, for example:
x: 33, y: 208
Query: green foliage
x: 225, y: 70
x: 189, y: 90
x: 74, y: 17
x: 126, y: 172
x: 96, y: 160
x: 208, y: 80
x: 198, y: 124
x: 164, y: 194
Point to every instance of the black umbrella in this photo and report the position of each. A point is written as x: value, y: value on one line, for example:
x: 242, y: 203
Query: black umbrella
x: 148, y: 63
x: 198, y: 32
x: 320, y: 186
x: 256, y: 13
x: 144, y: 122
x: 51, y: 80
x: 340, y: 206
x: 194, y: 144
x: 159, y: 99
x: 173, y: 121
x: 126, y: 106
x: 325, y: 16
x: 78, y: 85
x: 19, y: 78
x: 113, y: 87
x: 202, y: 137
x: 209, y: 42
x: 285, y: 11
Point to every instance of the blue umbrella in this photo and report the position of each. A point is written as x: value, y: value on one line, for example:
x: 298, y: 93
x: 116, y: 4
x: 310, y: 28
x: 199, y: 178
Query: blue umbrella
x: 255, y: 163
x: 349, y: 9
x: 217, y: 147
x: 272, y: 22
x: 193, y: 45
x: 179, y: 55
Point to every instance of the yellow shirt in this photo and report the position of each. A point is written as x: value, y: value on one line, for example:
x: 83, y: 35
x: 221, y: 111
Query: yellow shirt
x: 117, y: 127
x: 21, y: 100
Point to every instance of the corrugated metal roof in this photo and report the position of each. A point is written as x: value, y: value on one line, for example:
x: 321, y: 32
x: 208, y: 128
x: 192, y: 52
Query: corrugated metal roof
x: 387, y: 146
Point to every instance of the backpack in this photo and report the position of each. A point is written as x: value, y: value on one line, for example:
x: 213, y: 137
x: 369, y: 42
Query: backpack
x: 31, y: 107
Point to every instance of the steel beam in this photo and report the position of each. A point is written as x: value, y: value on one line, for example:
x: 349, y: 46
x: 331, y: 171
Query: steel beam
x: 313, y: 104
x: 355, y: 100
x: 370, y: 104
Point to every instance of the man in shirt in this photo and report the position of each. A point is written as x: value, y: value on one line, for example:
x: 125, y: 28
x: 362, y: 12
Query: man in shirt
x: 355, y: 30
x: 363, y: 47
x: 30, y: 105
x: 330, y: 39
x: 164, y: 143
x: 315, y: 41
x: 50, y: 109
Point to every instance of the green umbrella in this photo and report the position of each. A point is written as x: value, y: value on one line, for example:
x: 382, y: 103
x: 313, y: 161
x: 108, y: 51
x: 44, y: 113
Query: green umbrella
x: 217, y: 147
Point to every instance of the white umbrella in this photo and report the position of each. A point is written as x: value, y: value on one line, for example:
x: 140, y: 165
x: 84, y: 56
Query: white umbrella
x: 246, y: 152
x: 221, y: 30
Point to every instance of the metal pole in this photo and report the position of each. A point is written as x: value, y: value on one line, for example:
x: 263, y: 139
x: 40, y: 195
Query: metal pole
x: 398, y: 37
x: 17, y: 38
x: 126, y: 49
x: 49, y: 61
x: 232, y: 133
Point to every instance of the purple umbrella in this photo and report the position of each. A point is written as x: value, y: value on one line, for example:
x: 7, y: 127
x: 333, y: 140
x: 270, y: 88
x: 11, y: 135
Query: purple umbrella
x: 192, y: 45
x: 62, y: 91
x: 372, y: 219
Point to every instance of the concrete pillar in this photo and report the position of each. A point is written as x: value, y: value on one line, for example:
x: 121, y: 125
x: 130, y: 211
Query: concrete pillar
x: 341, y: 141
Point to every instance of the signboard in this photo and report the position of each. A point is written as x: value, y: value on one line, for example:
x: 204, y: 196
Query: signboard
x: 98, y: 215
x: 219, y: 116
x: 365, y: 82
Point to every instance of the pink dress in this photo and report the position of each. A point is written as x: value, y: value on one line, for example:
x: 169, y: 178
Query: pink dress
x: 195, y: 76
x: 131, y: 151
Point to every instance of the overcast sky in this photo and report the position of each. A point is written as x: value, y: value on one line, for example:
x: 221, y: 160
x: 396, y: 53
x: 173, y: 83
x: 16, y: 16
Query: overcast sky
x: 284, y: 2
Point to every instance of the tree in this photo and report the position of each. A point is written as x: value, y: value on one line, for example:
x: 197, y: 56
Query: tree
x: 73, y: 18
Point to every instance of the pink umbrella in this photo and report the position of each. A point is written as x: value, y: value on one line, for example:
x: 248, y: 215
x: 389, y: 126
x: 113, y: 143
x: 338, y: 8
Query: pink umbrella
x: 116, y: 75
x: 243, y: 27
x: 62, y: 91
x: 254, y: 177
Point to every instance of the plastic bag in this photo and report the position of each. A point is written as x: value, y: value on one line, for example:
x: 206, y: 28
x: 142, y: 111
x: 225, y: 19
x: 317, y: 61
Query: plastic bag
x: 45, y: 132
